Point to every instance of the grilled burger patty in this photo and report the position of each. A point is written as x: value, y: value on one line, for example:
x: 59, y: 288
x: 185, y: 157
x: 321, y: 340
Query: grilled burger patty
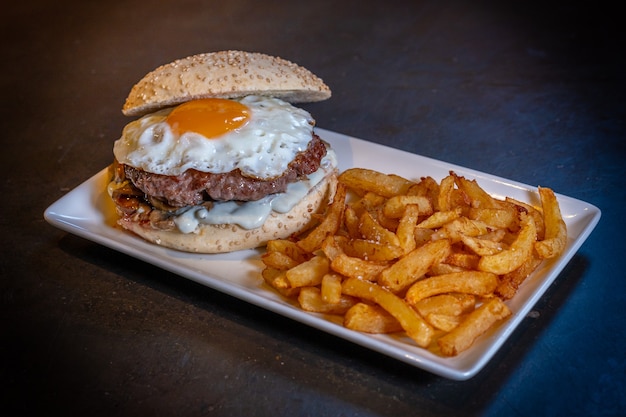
x: 195, y: 187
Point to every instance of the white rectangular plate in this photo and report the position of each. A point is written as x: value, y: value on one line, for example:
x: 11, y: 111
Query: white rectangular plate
x: 87, y: 211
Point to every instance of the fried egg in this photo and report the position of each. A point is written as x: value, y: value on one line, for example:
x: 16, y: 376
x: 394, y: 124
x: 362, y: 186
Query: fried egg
x: 258, y: 135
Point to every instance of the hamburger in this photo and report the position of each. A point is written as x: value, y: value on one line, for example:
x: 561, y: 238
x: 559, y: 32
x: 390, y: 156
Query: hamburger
x: 218, y: 158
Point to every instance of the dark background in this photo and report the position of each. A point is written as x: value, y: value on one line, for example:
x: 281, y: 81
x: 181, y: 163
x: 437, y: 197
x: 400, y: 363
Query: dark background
x: 530, y: 91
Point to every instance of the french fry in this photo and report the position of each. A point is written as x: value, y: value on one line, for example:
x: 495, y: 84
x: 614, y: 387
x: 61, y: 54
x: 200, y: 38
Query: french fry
x: 414, y: 326
x: 477, y: 196
x: 395, y: 206
x: 555, y: 229
x: 445, y: 304
x: 330, y: 288
x: 468, y: 282
x: 510, y: 259
x: 443, y: 321
x: 467, y: 301
x: 310, y: 299
x: 532, y: 211
x: 309, y: 273
x: 277, y: 279
x: 502, y: 218
x: 495, y: 235
x: 445, y: 199
x: 461, y: 226
x: 510, y: 282
x: 427, y: 187
x: 414, y: 265
x: 406, y: 228
x: 442, y: 269
x: 463, y: 260
x: 389, y: 223
x: 372, y: 230
x: 370, y: 318
x: 289, y: 248
x: 482, y: 247
x: 329, y: 225
x: 386, y: 185
x: 278, y: 260
x: 422, y: 236
x: 371, y: 251
x: 351, y: 266
x: 369, y: 202
x: 477, y: 323
x: 439, y: 219
x: 331, y: 246
x: 351, y: 222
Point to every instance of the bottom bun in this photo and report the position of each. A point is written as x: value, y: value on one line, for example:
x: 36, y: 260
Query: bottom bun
x: 230, y: 237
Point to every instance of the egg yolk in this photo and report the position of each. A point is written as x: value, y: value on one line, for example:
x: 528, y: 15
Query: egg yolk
x: 211, y: 117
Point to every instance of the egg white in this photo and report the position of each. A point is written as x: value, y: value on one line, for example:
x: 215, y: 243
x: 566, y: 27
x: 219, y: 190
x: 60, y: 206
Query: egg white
x: 263, y: 147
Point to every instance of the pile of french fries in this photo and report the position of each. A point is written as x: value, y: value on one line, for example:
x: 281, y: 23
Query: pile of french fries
x: 436, y: 261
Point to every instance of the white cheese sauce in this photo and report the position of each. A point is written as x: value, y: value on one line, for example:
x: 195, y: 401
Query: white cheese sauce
x: 252, y: 214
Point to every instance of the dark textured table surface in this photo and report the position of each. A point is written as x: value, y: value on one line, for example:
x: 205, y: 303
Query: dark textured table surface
x: 526, y: 91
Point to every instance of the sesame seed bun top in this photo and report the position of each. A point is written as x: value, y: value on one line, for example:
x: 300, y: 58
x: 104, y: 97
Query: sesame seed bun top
x: 224, y: 74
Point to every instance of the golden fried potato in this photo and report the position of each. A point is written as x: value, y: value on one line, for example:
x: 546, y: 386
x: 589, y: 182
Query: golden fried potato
x: 279, y: 260
x: 439, y: 219
x: 461, y: 226
x: 448, y: 304
x: 277, y: 279
x: 446, y: 200
x: 482, y: 247
x: 427, y: 187
x: 501, y: 218
x: 370, y: 318
x: 555, y: 237
x: 412, y: 323
x: 463, y: 260
x: 510, y: 259
x: 386, y: 185
x: 329, y: 225
x: 289, y: 248
x: 510, y: 282
x: 395, y: 206
x: 371, y: 251
x: 308, y: 273
x: 477, y: 196
x: 443, y: 321
x: 468, y: 282
x: 330, y: 288
x: 351, y: 266
x: 372, y: 230
x: 532, y: 211
x: 406, y: 228
x: 476, y: 323
x: 310, y: 299
x: 414, y: 265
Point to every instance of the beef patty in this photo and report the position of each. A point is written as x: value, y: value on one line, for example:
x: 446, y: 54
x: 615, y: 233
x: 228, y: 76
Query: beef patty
x: 194, y: 187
